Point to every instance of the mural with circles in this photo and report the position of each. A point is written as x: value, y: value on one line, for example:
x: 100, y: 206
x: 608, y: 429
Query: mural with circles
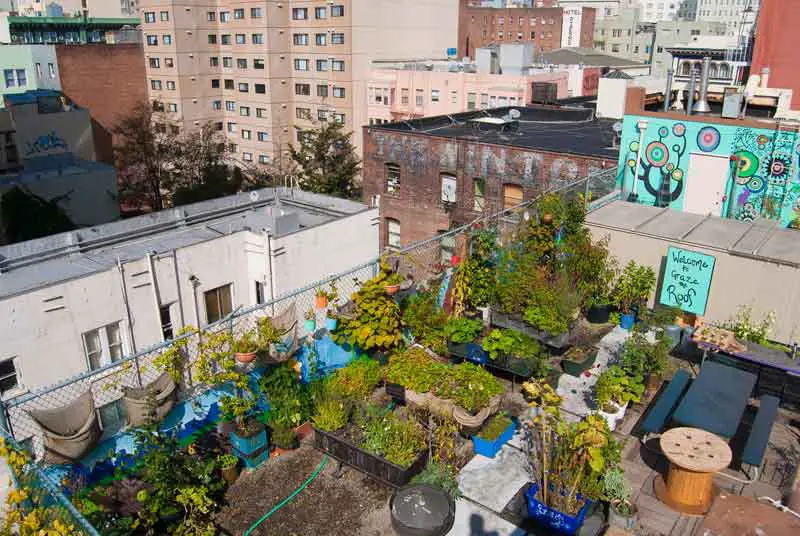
x: 764, y: 166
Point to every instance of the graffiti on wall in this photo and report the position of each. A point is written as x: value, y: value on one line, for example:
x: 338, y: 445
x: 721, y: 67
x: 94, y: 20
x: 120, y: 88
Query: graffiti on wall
x: 764, y: 166
x: 45, y: 143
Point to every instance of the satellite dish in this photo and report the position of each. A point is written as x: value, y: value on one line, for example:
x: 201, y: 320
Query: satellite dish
x: 514, y: 114
x: 254, y: 196
x: 617, y: 127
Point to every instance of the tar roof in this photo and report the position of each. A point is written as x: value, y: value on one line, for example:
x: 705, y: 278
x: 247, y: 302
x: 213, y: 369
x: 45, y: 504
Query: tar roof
x: 586, y: 56
x: 763, y: 239
x: 25, y: 266
x: 559, y: 130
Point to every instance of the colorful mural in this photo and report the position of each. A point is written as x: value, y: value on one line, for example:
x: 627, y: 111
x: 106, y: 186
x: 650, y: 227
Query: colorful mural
x: 767, y: 181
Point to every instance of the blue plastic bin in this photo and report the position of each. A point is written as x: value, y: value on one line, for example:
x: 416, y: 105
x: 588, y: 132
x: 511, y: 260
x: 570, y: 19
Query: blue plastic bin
x: 487, y: 448
x: 560, y: 522
x: 248, y: 445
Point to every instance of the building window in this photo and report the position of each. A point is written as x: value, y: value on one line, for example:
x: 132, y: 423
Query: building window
x: 232, y: 147
x: 338, y: 118
x: 302, y: 89
x: 512, y: 195
x: 244, y: 87
x: 238, y: 13
x: 211, y: 16
x: 260, y: 294
x: 241, y: 63
x: 216, y: 105
x: 434, y: 95
x: 299, y: 13
x: 171, y: 85
x: 300, y: 39
x: 9, y: 376
x: 338, y: 92
x: 471, y: 98
x: 303, y: 113
x: 301, y: 64
x: 152, y: 40
x: 392, y: 178
x: 321, y: 12
x: 337, y: 38
x: 322, y: 115
x: 448, y: 188
x: 420, y: 97
x: 478, y: 194
x: 155, y: 63
x: 38, y: 70
x: 241, y: 39
x: 257, y: 38
x: 224, y: 16
x: 393, y: 233
x: 247, y: 134
x: 337, y: 65
x: 484, y: 101
x: 225, y: 39
x: 321, y: 39
x: 51, y: 69
x: 263, y: 159
x: 337, y: 11
x: 322, y: 65
x: 103, y: 346
x: 228, y: 83
x: 149, y: 16
x: 322, y: 90
x: 261, y: 88
x: 260, y: 112
x: 232, y: 130
x: 212, y: 39
x: 215, y: 83
x: 155, y: 84
x: 168, y: 62
x: 227, y: 62
x: 263, y: 136
x: 167, y: 333
x: 724, y: 70
x: 230, y: 105
x: 167, y: 39
x: 404, y: 95
x: 255, y: 12
x: 244, y: 111
x: 258, y: 63
x: 218, y: 303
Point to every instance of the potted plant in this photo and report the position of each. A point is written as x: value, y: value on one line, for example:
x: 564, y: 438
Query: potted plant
x: 245, y: 348
x: 578, y: 359
x: 621, y: 513
x: 310, y: 323
x: 513, y: 351
x: 614, y: 390
x: 331, y: 320
x: 283, y: 439
x: 460, y: 332
x: 494, y: 434
x: 632, y: 290
x: 392, y: 282
x: 321, y: 299
x: 229, y: 466
x: 644, y: 359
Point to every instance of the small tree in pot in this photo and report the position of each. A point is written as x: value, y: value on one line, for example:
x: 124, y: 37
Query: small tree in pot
x: 632, y: 289
x: 621, y: 512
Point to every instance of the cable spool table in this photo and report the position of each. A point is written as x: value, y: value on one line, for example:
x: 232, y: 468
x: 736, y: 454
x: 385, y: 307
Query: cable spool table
x: 695, y: 456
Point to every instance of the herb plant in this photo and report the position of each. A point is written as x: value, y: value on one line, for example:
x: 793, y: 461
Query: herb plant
x: 462, y: 330
x: 397, y: 439
x: 439, y: 475
x: 496, y: 426
x: 617, y: 387
x: 357, y: 380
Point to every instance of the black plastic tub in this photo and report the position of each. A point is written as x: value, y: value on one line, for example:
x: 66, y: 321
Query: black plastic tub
x: 503, y: 320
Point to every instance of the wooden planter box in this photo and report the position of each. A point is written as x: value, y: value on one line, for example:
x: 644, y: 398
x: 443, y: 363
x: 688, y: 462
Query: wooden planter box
x: 503, y: 320
x: 396, y: 391
x: 574, y: 365
x: 374, y: 466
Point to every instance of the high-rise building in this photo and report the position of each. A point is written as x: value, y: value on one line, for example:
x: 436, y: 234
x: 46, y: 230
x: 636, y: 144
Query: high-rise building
x: 74, y: 8
x: 738, y: 15
x: 264, y: 70
x: 666, y: 10
x: 603, y: 8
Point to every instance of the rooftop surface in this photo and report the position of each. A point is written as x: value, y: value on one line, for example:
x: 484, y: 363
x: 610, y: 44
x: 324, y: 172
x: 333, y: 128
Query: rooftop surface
x: 559, y: 130
x: 761, y: 239
x: 26, y: 266
x: 586, y: 56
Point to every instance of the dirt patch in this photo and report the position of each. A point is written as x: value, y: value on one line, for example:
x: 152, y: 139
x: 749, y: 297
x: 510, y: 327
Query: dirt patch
x: 333, y: 504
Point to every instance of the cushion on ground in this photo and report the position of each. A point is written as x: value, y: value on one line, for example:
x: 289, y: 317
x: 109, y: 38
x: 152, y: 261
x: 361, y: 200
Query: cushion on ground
x: 666, y: 402
x: 756, y: 445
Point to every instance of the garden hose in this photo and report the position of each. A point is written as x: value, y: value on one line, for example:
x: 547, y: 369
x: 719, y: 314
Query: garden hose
x: 289, y: 498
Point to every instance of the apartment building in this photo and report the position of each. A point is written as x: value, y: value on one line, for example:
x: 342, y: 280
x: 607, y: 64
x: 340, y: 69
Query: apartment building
x: 775, y: 50
x: 27, y: 67
x: 739, y: 16
x: 74, y: 8
x: 264, y: 70
x: 603, y: 8
x: 20, y: 30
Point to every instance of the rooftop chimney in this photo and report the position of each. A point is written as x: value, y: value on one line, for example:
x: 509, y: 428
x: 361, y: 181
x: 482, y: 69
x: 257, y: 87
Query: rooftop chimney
x: 701, y: 106
x: 668, y: 90
x: 690, y: 91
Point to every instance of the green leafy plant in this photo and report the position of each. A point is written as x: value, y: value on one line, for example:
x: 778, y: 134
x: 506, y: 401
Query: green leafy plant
x: 284, y: 438
x: 633, y: 287
x: 291, y: 402
x: 246, y: 343
x: 357, y: 380
x: 266, y: 333
x: 439, y: 475
x: 591, y: 269
x: 226, y: 461
x: 333, y: 411
x: 310, y: 315
x: 426, y: 320
x: 173, y: 360
x: 552, y: 306
x: 639, y: 356
x: 198, y: 509
x: 616, y: 491
x: 510, y: 342
x: 615, y: 386
x: 397, y: 439
x: 496, y: 426
x: 462, y: 330
x: 376, y: 323
x: 745, y: 328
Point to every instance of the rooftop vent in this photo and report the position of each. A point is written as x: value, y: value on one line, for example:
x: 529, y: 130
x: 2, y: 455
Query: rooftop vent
x: 496, y: 124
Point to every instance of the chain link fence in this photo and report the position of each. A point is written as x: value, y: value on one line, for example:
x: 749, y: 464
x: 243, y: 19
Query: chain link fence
x: 419, y: 262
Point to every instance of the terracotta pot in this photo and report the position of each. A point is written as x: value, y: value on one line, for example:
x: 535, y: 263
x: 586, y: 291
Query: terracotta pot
x: 304, y: 430
x: 245, y: 357
x: 391, y: 290
x: 547, y: 219
x: 321, y: 302
x: 230, y: 474
x: 277, y: 452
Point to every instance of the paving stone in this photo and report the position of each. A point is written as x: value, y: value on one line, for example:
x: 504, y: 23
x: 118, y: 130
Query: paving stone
x: 654, y: 515
x: 474, y: 519
x: 493, y: 482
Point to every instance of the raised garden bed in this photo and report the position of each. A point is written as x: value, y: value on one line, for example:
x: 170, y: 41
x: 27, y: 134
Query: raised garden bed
x: 376, y: 467
x: 504, y: 320
x: 578, y: 359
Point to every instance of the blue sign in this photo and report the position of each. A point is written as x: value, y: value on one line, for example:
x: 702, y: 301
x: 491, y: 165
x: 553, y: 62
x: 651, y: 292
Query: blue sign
x: 687, y: 280
x: 452, y: 52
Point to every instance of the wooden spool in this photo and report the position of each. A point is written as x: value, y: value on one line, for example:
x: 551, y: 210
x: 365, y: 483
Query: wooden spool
x: 694, y: 456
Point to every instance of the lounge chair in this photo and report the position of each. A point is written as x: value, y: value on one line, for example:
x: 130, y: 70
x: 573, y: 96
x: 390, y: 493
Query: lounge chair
x: 164, y: 393
x: 70, y: 431
x: 286, y: 323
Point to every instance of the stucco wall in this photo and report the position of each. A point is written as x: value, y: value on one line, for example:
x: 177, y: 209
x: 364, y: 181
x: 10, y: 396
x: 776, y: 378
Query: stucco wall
x: 767, y: 184
x: 736, y: 281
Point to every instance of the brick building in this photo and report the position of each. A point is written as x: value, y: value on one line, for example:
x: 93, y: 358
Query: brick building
x: 434, y: 173
x: 107, y: 80
x: 776, y: 46
x: 548, y: 28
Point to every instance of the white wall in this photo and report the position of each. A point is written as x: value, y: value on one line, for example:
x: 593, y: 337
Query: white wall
x: 48, y: 345
x: 611, y: 97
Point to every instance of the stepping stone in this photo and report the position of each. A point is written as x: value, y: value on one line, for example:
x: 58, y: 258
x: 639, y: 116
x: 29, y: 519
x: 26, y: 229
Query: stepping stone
x: 474, y: 519
x: 493, y: 482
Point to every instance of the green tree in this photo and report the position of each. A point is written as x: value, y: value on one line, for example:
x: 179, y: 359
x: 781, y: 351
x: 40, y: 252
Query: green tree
x: 327, y: 162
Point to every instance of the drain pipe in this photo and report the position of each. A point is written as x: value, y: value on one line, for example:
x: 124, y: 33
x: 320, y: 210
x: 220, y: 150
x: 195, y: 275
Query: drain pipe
x: 642, y: 126
x: 690, y: 91
x: 668, y: 90
x: 701, y: 106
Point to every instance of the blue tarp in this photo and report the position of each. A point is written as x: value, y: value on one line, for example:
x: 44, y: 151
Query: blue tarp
x: 329, y: 356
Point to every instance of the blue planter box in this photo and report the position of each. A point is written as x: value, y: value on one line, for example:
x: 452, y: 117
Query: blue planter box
x: 330, y: 323
x: 553, y: 519
x: 487, y: 448
x: 254, y: 459
x: 248, y: 445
